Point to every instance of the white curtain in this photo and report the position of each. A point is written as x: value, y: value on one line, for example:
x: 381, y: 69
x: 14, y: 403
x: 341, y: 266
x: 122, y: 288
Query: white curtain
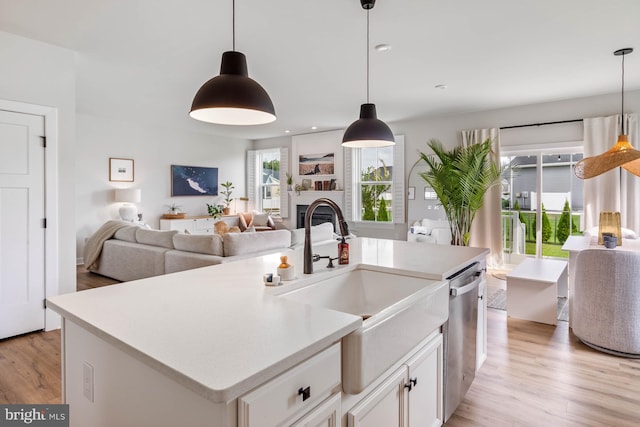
x: 616, y: 190
x: 486, y: 230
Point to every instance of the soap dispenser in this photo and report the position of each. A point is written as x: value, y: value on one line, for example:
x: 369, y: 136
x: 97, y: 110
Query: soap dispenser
x: 343, y: 252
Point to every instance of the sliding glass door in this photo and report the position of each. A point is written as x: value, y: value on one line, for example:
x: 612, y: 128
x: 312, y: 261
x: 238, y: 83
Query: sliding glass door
x: 542, y: 202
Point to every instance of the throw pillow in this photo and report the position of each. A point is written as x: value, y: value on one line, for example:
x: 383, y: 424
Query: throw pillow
x: 220, y: 227
x: 234, y: 229
x: 260, y: 220
x: 251, y: 229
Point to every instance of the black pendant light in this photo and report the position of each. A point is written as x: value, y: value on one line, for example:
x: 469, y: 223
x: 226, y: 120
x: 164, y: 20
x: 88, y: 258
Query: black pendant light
x: 233, y: 98
x: 368, y: 130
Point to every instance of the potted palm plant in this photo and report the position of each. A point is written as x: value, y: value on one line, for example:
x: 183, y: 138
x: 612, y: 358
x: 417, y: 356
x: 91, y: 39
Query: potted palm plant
x: 460, y: 178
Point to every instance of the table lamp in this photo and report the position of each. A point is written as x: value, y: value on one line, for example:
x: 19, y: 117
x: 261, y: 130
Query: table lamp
x: 128, y: 211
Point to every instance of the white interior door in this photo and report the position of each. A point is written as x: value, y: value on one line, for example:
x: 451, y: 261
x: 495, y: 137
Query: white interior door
x: 22, y: 235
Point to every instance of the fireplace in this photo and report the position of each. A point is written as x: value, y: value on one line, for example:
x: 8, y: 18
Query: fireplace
x: 320, y: 215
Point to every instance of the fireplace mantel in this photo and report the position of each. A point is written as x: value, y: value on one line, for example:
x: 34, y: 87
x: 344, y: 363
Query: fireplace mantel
x: 307, y: 197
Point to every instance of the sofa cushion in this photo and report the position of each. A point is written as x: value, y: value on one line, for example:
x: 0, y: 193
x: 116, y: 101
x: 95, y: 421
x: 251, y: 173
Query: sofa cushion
x: 159, y: 238
x: 418, y: 229
x: 243, y: 243
x: 210, y: 244
x: 260, y: 220
x: 128, y: 234
x: 180, y: 261
x: 127, y: 261
x: 319, y: 233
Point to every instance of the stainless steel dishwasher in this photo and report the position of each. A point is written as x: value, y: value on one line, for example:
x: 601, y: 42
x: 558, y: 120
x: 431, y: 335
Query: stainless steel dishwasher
x: 460, y: 333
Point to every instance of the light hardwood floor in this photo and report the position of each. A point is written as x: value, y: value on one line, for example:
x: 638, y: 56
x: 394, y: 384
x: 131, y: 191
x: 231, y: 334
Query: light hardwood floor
x: 535, y: 375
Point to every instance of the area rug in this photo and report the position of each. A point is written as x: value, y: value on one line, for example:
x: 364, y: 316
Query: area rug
x: 498, y: 300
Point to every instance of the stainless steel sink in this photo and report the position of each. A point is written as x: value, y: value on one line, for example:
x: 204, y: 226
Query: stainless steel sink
x: 397, y: 311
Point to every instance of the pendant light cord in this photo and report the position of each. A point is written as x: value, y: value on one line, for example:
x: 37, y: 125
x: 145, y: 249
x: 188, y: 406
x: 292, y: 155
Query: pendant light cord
x: 622, y: 110
x: 233, y: 23
x: 368, y: 56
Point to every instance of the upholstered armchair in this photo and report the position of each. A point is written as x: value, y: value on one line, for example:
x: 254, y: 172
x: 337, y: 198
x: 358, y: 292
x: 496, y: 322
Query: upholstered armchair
x: 259, y: 221
x: 606, y: 300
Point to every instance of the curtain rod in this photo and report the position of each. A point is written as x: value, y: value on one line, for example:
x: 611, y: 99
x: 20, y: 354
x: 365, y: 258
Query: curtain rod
x: 541, y: 124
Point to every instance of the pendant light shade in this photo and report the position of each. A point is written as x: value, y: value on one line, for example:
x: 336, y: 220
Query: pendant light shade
x: 368, y: 130
x: 621, y: 154
x: 233, y: 98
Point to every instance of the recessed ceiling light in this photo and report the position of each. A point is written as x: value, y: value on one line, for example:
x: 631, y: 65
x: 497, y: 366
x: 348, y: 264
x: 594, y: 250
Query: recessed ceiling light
x: 314, y: 127
x: 287, y: 131
x: 441, y: 87
x: 383, y: 47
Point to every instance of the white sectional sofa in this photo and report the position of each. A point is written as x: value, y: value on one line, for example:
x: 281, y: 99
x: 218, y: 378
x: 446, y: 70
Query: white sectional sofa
x: 135, y: 253
x: 434, y: 231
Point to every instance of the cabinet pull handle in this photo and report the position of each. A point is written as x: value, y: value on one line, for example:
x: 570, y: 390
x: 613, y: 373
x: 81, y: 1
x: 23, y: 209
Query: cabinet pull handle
x: 305, y: 392
x: 412, y: 383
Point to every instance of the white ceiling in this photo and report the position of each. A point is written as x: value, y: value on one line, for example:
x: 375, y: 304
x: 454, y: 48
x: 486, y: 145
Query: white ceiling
x: 144, y: 60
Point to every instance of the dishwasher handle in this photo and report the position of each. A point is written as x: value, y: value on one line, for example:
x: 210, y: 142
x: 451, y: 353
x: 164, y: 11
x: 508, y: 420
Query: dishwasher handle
x: 456, y: 291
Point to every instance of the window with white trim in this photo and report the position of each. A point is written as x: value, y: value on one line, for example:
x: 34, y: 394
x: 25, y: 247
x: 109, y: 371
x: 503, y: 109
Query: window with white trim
x: 375, y: 193
x: 265, y: 169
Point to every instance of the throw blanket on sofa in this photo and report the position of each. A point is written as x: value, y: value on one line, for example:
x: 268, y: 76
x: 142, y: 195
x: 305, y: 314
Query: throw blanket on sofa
x: 93, y: 247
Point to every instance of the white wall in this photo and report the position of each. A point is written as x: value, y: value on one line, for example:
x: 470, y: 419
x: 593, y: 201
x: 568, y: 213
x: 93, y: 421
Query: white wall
x: 42, y: 74
x: 418, y: 132
x: 153, y: 150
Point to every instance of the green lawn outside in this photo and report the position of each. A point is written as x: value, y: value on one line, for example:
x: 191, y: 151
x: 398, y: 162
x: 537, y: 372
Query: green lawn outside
x: 548, y: 249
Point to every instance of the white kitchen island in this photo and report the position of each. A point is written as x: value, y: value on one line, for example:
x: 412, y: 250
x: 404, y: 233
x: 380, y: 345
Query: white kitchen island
x: 185, y: 348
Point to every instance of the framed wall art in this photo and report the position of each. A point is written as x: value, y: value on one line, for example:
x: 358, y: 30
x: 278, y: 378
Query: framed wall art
x: 412, y: 193
x: 120, y: 170
x: 316, y: 164
x: 194, y: 181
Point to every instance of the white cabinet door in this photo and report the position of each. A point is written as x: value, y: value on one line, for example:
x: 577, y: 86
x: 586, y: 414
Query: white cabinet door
x: 327, y: 414
x: 425, y: 406
x: 181, y: 225
x: 203, y: 225
x: 385, y: 406
x: 481, y: 340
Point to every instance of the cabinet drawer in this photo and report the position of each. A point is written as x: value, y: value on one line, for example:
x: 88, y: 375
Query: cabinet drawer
x: 203, y: 224
x: 274, y: 402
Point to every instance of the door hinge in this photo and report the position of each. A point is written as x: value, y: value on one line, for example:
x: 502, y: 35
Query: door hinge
x: 44, y: 222
x: 44, y: 141
x: 44, y: 303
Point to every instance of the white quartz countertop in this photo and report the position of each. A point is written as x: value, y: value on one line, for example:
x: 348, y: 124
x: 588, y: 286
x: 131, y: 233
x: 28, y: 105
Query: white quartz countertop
x: 220, y: 332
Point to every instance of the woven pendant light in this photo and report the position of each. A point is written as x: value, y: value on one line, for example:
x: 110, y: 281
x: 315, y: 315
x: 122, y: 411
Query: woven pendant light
x: 621, y: 154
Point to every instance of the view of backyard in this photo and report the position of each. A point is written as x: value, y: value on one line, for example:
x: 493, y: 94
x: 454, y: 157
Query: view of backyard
x: 552, y: 246
x: 546, y: 182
